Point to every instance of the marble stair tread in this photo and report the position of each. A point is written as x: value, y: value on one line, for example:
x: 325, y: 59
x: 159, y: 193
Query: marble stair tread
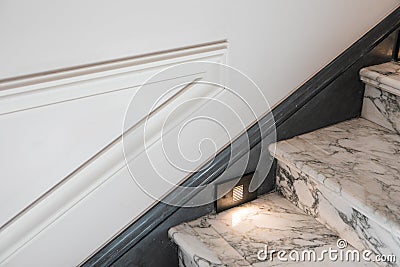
x: 357, y: 159
x: 385, y: 76
x: 234, y: 237
x: 204, y: 246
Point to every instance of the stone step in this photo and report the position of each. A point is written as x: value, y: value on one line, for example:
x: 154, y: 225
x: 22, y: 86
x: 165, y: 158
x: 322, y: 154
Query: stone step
x: 347, y: 176
x: 382, y: 95
x: 240, y: 237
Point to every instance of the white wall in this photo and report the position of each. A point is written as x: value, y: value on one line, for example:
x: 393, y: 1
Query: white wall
x: 280, y: 44
x: 277, y: 43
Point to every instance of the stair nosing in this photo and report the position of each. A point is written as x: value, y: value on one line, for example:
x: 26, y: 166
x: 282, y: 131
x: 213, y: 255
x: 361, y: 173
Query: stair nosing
x: 373, y: 77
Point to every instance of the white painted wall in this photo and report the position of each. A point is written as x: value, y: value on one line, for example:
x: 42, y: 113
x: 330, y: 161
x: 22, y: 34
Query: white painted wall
x: 48, y: 129
x: 278, y: 43
x: 268, y: 39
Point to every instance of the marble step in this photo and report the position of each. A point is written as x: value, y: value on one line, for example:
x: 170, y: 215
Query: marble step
x: 239, y: 236
x: 347, y: 176
x: 382, y: 95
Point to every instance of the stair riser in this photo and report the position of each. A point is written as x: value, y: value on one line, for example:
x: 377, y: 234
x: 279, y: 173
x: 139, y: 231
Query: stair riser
x: 185, y: 259
x: 381, y: 107
x: 333, y: 211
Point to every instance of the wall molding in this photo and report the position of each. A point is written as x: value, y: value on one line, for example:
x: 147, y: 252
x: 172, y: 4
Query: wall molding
x: 102, y: 68
x: 160, y: 213
x: 19, y: 95
x: 52, y: 88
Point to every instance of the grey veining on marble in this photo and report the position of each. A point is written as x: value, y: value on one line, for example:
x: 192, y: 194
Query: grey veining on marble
x: 382, y: 108
x: 234, y: 237
x: 385, y: 76
x: 357, y: 159
x: 200, y: 245
x: 335, y: 212
x: 270, y: 219
x: 382, y: 95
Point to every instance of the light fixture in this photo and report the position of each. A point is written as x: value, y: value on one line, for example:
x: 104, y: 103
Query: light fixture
x: 239, y: 193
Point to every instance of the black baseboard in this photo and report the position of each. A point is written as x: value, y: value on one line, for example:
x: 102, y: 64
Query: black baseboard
x: 334, y: 94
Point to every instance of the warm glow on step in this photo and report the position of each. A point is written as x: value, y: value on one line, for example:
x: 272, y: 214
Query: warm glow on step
x: 240, y: 214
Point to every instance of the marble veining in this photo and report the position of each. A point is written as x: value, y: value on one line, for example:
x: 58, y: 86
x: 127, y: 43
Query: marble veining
x: 382, y: 95
x: 382, y: 108
x: 385, y: 76
x: 200, y: 245
x: 335, y: 212
x: 234, y: 237
x: 356, y: 159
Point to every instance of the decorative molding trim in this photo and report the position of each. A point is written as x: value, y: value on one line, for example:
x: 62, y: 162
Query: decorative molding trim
x: 46, y: 210
x: 102, y: 68
x: 47, y: 89
x: 142, y: 227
